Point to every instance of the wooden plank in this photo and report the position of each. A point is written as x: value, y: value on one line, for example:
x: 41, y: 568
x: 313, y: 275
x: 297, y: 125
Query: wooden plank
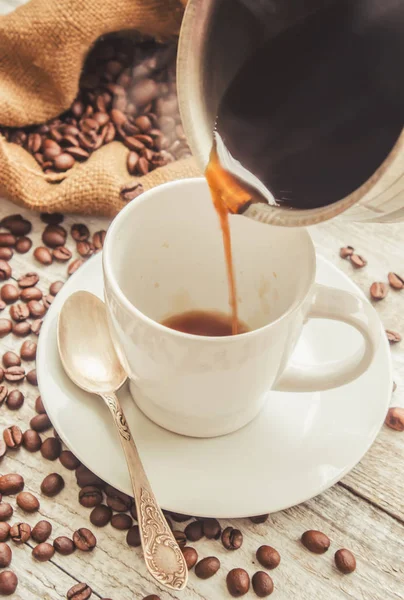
x: 117, y: 571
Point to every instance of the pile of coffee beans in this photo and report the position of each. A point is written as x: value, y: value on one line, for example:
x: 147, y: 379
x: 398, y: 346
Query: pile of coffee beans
x: 128, y: 93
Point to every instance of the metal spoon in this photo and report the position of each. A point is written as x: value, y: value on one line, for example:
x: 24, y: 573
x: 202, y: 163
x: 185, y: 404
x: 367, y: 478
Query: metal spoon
x: 89, y: 359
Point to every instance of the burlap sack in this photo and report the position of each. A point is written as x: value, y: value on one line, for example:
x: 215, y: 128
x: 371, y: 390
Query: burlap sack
x: 42, y: 48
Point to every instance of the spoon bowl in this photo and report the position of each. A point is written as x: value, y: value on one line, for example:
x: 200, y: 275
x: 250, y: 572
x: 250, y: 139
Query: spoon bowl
x: 85, y: 345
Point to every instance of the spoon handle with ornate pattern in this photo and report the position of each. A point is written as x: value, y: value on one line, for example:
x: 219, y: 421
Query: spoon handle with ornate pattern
x: 162, y: 554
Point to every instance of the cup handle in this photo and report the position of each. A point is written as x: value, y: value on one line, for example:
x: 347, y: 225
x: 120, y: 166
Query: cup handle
x: 338, y: 305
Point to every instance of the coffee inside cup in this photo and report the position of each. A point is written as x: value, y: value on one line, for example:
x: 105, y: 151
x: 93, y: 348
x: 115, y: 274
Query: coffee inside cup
x: 209, y: 323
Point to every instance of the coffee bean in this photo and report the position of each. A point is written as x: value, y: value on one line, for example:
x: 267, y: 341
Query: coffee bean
x: 51, y: 448
x: 43, y: 552
x: 117, y: 500
x: 21, y: 329
x: 238, y: 582
x: 64, y: 162
x: 118, y: 117
x: 9, y: 293
x: 36, y: 326
x: 212, y: 529
x: 131, y: 161
x: 19, y: 312
x: 74, y: 265
x: 4, y: 531
x: 14, y: 374
x: 345, y: 561
x: 190, y: 555
x: 43, y: 255
x: 396, y: 281
x: 5, y: 555
x: 28, y: 350
x: 232, y: 539
x: 393, y: 336
x: 47, y: 301
x: 13, y: 436
x: 6, y: 511
x: 31, y: 440
x: 262, y: 584
x: 84, y: 539
x: 51, y: 149
x: 5, y: 270
x: 99, y: 238
x: 80, y: 591
x: 358, y: 261
x: 121, y: 521
x: 55, y: 287
x: 144, y: 91
x: 101, y: 515
x: 194, y: 531
x: 23, y: 245
x: 85, y: 477
x: 28, y: 280
x: 7, y: 240
x: 179, y: 517
x: 61, y: 254
x: 6, y: 254
x: 143, y: 123
x: 3, y: 393
x: 2, y: 305
x: 8, y: 583
x: 268, y: 557
x: 207, y: 567
x: 5, y: 327
x: 152, y: 597
x: 133, y: 537
x: 90, y: 496
x: 41, y: 531
x: 28, y: 502
x: 20, y: 533
x: 40, y: 423
x: 85, y: 249
x: 68, y: 460
x: 11, y: 484
x: 395, y: 418
x: 52, y: 218
x: 180, y: 538
x: 80, y: 232
x: 39, y: 407
x: 315, y: 541
x: 36, y: 308
x: 64, y: 545
x: 52, y: 485
x: 11, y: 359
x: 131, y: 192
x: 378, y: 290
x: 31, y: 293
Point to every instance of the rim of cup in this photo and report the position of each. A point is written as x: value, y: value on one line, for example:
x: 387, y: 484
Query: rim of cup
x: 109, y: 272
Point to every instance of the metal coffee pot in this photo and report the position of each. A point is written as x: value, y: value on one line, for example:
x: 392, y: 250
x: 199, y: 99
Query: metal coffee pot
x: 218, y: 36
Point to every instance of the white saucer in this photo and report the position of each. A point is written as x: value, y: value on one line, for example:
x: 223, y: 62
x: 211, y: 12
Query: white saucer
x: 298, y: 446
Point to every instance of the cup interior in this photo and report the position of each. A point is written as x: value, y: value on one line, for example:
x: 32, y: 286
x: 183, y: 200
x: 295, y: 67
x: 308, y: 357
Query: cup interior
x: 164, y: 253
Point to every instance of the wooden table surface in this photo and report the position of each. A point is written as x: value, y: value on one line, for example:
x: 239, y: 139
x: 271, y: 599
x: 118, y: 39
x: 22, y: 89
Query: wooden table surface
x: 364, y: 512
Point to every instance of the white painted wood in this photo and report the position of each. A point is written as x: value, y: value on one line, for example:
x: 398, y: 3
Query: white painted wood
x: 367, y: 517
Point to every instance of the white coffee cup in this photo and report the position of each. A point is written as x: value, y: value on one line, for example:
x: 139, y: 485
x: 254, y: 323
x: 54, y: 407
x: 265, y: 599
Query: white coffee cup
x: 163, y: 255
